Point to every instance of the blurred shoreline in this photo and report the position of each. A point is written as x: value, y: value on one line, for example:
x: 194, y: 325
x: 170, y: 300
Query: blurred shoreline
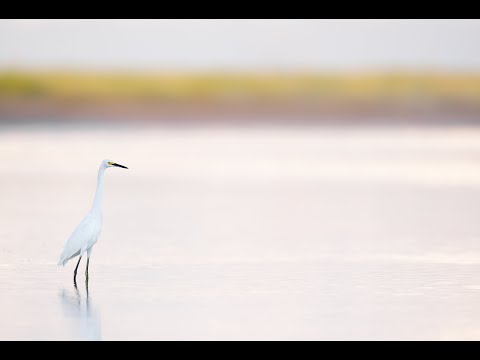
x: 287, y: 112
x: 390, y: 98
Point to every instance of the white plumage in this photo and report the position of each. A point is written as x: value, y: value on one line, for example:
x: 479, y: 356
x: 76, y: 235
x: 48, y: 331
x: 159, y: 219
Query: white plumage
x: 88, y: 231
x: 83, y: 238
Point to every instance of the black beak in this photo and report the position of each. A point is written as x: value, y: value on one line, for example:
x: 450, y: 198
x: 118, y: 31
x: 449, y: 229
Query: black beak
x: 120, y: 166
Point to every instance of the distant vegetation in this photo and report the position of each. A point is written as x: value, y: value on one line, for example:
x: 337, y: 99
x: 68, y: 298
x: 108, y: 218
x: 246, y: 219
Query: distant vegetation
x: 226, y: 87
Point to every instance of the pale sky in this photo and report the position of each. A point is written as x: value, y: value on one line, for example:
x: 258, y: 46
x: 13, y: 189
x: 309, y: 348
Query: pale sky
x: 241, y: 44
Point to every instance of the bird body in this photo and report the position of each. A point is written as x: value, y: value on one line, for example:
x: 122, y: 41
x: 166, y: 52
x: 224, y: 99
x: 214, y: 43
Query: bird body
x: 83, y: 237
x: 86, y: 234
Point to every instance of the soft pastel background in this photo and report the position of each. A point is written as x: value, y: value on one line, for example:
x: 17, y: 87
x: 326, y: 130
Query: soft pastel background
x: 289, y: 179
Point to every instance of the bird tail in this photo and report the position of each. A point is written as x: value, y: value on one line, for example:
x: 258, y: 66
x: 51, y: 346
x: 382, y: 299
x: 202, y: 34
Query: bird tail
x: 62, y: 260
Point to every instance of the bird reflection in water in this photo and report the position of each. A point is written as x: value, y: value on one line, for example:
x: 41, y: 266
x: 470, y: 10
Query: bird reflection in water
x: 83, y: 317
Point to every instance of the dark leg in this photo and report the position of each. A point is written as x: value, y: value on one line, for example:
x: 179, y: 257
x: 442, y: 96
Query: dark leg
x: 75, y: 272
x: 86, y: 271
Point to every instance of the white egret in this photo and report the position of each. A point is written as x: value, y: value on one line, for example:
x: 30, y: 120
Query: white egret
x: 88, y: 231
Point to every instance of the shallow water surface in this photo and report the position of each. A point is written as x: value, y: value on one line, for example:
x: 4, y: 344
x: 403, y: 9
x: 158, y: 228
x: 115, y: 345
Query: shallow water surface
x: 243, y: 233
x: 308, y: 301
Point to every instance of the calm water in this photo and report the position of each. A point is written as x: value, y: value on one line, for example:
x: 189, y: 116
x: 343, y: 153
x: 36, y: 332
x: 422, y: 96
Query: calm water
x: 243, y: 233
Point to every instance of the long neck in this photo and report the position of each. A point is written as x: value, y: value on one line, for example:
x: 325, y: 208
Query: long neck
x: 97, y: 202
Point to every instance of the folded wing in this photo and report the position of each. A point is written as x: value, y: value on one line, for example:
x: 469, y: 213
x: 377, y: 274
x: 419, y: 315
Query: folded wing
x: 78, y: 242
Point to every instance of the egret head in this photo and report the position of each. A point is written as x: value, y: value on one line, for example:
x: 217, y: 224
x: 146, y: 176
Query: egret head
x: 109, y: 163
